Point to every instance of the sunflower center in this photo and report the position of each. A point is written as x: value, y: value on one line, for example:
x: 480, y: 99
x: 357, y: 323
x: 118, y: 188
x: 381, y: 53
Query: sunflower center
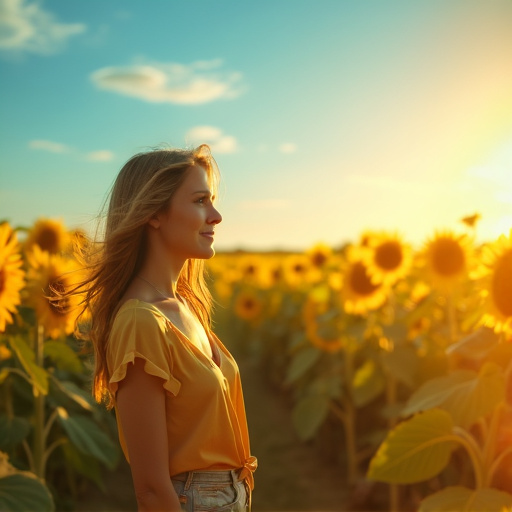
x: 48, y: 240
x: 249, y: 304
x: 359, y: 280
x: 502, y: 284
x: 58, y: 306
x: 318, y: 259
x: 250, y: 270
x: 388, y: 255
x: 447, y: 257
x: 298, y: 268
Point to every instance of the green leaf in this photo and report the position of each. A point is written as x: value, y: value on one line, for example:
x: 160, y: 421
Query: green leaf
x: 89, y: 438
x: 476, y: 345
x: 27, y: 358
x: 463, y: 499
x: 12, y: 431
x: 415, y: 450
x: 302, y: 361
x: 308, y: 414
x: 326, y: 384
x: 368, y: 383
x: 63, y: 355
x: 466, y: 395
x: 23, y: 491
x: 402, y: 363
x: 78, y: 395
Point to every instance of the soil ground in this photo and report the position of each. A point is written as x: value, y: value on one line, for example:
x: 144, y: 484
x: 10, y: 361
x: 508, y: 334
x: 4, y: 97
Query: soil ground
x: 291, y: 476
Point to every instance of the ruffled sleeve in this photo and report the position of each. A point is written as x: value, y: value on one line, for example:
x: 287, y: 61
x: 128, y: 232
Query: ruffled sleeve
x: 139, y: 332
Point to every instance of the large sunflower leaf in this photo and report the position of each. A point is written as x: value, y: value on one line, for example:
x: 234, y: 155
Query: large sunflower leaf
x: 368, y: 383
x: 22, y: 491
x: 302, y: 361
x: 415, y: 450
x: 12, y: 431
x: 89, y: 438
x: 466, y: 395
x: 476, y: 345
x: 463, y: 499
x: 63, y: 355
x: 27, y: 359
x: 309, y: 413
x: 78, y: 395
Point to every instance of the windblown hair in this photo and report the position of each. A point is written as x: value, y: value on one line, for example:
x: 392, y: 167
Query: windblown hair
x: 144, y: 187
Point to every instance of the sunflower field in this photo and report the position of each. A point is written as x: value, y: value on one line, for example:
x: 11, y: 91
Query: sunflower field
x: 53, y: 437
x: 397, y: 361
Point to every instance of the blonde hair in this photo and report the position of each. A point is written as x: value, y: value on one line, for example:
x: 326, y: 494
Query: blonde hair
x: 144, y: 186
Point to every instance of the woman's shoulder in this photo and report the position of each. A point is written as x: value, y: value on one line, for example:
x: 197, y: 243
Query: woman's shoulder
x: 138, y: 311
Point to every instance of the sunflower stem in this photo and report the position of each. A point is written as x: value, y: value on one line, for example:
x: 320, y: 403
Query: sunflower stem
x: 350, y: 417
x: 9, y: 410
x: 391, y: 391
x: 452, y: 317
x: 474, y: 452
x: 39, y: 409
x: 28, y: 453
x: 489, y: 450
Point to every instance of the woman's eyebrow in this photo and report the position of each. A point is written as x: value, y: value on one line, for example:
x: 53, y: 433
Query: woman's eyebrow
x: 202, y: 192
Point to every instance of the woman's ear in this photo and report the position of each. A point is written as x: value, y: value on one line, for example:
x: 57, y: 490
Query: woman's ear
x: 154, y: 222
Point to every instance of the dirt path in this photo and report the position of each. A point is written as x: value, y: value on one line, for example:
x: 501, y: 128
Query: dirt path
x: 290, y: 475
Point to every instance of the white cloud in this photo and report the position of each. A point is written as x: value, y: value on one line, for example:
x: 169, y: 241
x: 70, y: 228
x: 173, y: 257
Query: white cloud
x: 48, y: 145
x: 199, y: 82
x: 100, y: 156
x: 214, y: 137
x: 288, y: 147
x: 27, y: 27
x: 264, y: 204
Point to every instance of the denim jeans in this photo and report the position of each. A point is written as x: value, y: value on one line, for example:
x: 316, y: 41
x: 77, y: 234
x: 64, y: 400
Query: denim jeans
x: 208, y: 491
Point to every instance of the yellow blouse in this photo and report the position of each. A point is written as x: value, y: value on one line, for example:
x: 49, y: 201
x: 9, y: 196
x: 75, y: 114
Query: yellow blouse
x: 206, y: 422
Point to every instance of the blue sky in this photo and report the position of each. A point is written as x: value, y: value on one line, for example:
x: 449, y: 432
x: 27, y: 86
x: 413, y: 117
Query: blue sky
x: 326, y: 117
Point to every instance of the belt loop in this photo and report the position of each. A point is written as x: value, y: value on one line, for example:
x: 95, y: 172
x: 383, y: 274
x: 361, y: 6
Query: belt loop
x: 188, y: 483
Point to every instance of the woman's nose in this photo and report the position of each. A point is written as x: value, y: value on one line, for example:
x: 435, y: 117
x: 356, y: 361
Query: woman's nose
x: 215, y: 216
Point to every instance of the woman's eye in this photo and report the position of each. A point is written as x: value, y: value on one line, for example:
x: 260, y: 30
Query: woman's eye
x: 202, y: 200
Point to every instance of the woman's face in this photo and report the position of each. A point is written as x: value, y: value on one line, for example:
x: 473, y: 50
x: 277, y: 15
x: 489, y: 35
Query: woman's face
x: 187, y: 226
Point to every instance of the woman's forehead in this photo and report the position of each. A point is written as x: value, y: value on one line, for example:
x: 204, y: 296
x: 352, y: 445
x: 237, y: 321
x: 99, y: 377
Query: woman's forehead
x: 197, y: 177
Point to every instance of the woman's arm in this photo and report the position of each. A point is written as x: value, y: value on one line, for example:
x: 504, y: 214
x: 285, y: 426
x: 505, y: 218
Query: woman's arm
x: 141, y: 410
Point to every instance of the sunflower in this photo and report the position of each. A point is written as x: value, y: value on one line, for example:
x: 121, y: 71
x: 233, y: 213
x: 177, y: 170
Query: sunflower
x: 496, y: 280
x: 298, y: 270
x: 446, y: 260
x: 50, y: 235
x: 48, y: 275
x: 254, y: 269
x: 319, y: 322
x: 319, y: 255
x: 388, y: 258
x: 11, y: 275
x: 359, y: 293
x: 248, y: 305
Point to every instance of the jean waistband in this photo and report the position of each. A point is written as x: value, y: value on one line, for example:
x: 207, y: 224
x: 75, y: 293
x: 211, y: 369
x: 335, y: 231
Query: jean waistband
x: 219, y: 476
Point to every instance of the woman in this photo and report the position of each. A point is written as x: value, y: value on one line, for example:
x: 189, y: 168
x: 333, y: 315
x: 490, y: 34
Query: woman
x: 175, y: 387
